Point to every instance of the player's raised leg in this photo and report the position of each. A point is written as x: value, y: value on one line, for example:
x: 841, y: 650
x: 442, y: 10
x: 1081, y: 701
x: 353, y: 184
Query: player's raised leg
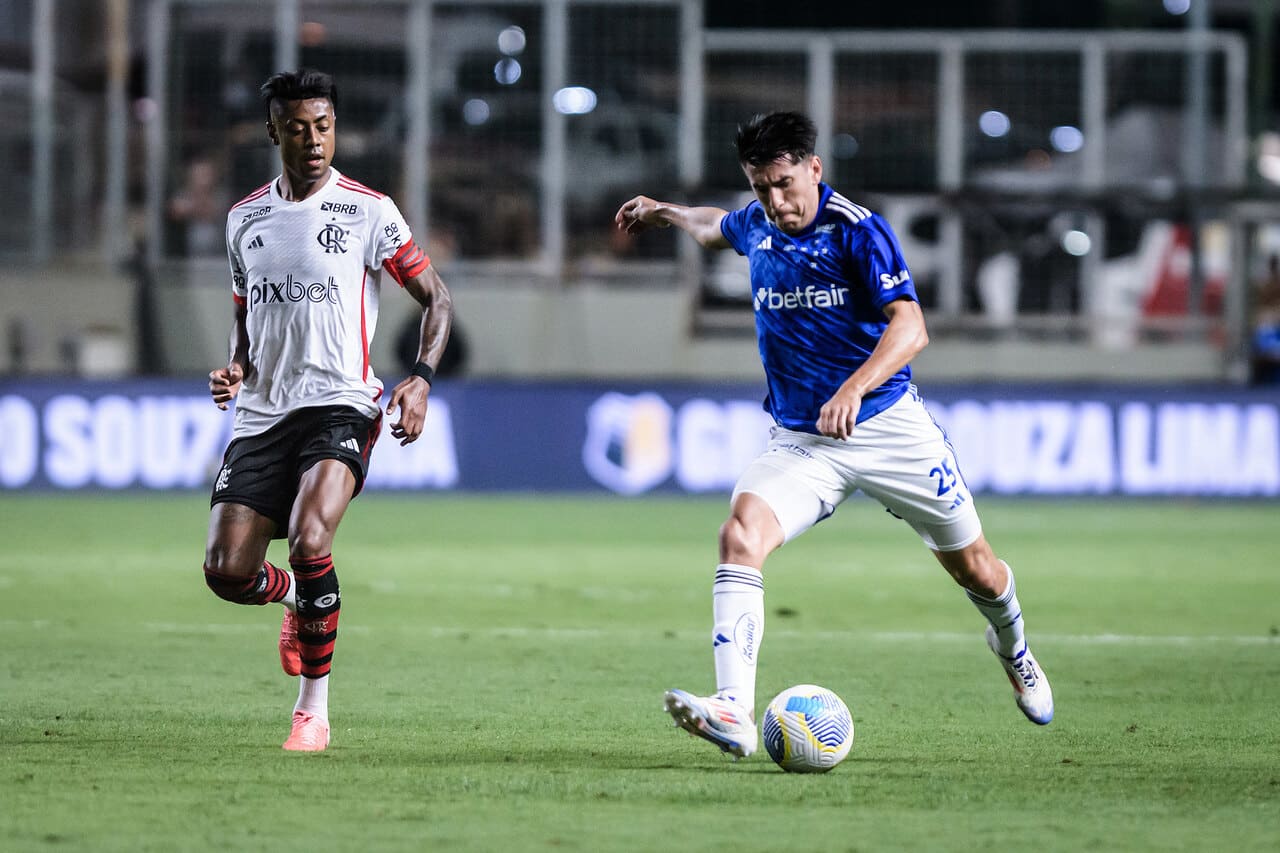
x: 989, y: 584
x: 236, y: 569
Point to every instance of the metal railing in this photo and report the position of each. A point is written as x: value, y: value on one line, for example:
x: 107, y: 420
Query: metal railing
x: 518, y: 186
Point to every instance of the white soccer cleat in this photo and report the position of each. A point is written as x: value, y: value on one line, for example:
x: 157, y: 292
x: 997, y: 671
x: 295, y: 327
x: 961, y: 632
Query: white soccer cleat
x: 714, y: 718
x: 1030, y: 686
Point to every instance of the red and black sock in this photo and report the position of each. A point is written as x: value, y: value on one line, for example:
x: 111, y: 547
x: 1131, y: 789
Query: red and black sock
x: 318, y: 606
x: 267, y: 586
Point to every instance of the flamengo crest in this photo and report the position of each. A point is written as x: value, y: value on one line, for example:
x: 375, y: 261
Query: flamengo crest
x: 333, y: 238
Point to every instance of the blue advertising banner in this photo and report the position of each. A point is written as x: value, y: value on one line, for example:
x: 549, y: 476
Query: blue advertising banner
x: 633, y: 439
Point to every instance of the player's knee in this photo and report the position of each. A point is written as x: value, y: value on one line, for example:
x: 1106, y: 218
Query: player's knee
x: 975, y: 569
x: 740, y: 542
x: 310, y: 539
x: 224, y: 560
x: 233, y: 587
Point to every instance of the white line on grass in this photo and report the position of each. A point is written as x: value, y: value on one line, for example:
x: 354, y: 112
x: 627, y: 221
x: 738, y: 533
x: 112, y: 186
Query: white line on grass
x: 599, y: 633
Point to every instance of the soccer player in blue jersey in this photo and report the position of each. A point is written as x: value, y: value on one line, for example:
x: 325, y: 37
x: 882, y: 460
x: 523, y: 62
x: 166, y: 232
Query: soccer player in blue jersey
x: 837, y: 322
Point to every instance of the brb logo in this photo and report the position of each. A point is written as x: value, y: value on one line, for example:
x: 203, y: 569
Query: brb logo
x: 339, y: 207
x: 809, y: 297
x: 289, y: 290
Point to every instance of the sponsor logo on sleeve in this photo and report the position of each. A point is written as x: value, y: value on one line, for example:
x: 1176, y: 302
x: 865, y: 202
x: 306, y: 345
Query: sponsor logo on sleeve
x: 889, y: 282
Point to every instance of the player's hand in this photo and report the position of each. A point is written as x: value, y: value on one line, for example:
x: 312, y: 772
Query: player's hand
x: 639, y: 214
x: 838, y: 415
x: 410, y: 397
x: 224, y: 383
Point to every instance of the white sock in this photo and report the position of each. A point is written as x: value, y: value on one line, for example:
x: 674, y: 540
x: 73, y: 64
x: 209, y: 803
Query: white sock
x: 290, y: 599
x: 313, y: 696
x: 737, y: 604
x: 1005, y: 615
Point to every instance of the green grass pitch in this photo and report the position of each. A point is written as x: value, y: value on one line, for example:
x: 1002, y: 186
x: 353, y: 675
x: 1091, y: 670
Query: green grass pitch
x: 501, y: 661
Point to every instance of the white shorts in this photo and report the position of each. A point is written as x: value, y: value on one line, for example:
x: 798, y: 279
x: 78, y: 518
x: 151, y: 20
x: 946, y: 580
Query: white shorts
x: 900, y: 457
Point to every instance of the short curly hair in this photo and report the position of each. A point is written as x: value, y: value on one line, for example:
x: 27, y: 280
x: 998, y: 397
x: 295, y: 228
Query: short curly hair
x: 300, y: 85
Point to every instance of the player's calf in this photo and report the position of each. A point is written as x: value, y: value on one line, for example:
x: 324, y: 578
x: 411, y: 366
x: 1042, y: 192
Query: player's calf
x: 318, y: 604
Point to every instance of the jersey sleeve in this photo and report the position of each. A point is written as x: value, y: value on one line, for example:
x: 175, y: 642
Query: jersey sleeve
x: 239, y: 279
x: 878, y: 261
x: 734, y: 227
x: 392, y: 246
x: 390, y: 233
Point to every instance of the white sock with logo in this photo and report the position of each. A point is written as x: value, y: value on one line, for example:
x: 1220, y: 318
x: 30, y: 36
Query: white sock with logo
x: 313, y: 696
x: 737, y: 604
x: 1005, y: 615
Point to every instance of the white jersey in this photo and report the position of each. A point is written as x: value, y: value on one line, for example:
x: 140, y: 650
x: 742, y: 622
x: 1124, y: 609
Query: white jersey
x: 308, y: 275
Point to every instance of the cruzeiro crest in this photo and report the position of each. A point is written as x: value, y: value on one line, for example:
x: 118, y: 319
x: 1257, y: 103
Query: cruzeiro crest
x: 334, y: 239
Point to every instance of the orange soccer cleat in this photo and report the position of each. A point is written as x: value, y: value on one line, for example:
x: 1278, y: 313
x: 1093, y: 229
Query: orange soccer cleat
x: 290, y: 650
x: 310, y: 733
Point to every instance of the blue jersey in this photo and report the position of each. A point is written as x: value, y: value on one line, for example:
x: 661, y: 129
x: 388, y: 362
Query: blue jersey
x: 818, y: 299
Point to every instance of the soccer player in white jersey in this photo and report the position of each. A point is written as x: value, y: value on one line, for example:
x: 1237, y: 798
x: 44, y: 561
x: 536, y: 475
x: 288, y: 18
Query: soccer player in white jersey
x: 308, y: 251
x: 837, y: 321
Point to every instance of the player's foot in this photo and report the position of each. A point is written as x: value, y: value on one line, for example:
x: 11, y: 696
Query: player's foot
x: 1030, y: 687
x: 310, y: 733
x: 715, y: 718
x: 290, y: 649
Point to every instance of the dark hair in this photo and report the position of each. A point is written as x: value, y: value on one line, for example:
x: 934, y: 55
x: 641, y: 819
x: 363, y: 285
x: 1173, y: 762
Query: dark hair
x: 766, y: 138
x: 300, y: 85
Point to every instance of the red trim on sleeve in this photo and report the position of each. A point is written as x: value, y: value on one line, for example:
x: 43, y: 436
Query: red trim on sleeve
x: 407, y: 262
x: 364, y: 330
x: 238, y: 299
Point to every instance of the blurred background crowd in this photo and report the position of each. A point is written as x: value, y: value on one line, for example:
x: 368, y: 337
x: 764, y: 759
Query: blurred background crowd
x: 1084, y: 191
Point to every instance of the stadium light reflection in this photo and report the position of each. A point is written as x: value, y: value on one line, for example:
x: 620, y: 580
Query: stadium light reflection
x: 475, y: 111
x: 1076, y: 242
x: 507, y: 71
x: 1066, y: 139
x: 574, y: 100
x: 994, y: 124
x: 512, y: 41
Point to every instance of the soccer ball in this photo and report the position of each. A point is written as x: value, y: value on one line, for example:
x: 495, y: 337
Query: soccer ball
x: 807, y: 729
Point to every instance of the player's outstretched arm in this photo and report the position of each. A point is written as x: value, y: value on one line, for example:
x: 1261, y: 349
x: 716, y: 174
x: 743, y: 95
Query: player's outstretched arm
x: 701, y: 223
x: 410, y: 396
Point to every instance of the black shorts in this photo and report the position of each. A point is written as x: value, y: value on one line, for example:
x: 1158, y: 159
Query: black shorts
x: 262, y: 471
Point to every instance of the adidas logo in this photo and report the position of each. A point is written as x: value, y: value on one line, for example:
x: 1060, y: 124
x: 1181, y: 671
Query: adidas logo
x: 766, y: 243
x: 720, y: 640
x: 256, y: 242
x: 349, y: 444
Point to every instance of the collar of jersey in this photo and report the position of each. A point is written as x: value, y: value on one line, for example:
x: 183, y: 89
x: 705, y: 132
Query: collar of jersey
x: 312, y: 199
